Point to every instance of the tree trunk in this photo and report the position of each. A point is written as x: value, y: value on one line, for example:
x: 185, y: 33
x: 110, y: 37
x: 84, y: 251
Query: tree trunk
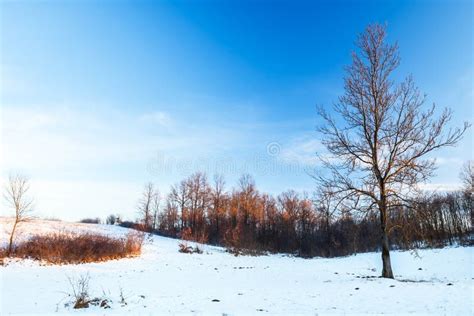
x: 328, y: 236
x: 10, y: 244
x: 217, y: 228
x: 386, y: 263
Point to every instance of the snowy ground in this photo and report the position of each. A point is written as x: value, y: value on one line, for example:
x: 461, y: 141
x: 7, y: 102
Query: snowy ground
x: 164, y: 281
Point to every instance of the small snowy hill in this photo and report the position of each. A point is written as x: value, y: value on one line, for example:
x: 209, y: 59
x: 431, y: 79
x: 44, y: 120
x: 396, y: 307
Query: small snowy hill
x: 40, y: 227
x: 163, y: 281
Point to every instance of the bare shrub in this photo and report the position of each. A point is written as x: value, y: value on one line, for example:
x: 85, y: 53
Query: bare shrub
x: 129, y: 224
x: 80, y: 291
x: 185, y: 247
x: 197, y: 249
x: 134, y: 242
x: 111, y: 219
x: 90, y: 220
x: 64, y: 248
x: 80, y: 294
x: 123, y: 299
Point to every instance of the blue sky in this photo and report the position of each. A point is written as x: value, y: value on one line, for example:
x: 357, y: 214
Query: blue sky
x: 98, y: 97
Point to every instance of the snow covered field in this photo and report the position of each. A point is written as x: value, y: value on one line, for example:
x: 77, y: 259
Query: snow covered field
x: 164, y: 281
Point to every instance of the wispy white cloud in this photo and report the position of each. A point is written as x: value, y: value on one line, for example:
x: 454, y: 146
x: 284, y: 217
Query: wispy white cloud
x: 159, y: 117
x: 440, y: 187
x: 449, y: 161
x: 55, y: 137
x: 35, y: 138
x: 76, y: 156
x: 301, y: 150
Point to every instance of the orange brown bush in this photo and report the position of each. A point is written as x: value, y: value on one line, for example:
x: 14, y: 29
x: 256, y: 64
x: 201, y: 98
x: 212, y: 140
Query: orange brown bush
x: 71, y: 248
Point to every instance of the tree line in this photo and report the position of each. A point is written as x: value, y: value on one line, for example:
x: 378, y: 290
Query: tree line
x: 243, y: 219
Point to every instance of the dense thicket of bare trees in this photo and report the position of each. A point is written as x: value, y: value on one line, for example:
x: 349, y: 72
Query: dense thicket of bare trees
x: 243, y: 218
x: 381, y: 133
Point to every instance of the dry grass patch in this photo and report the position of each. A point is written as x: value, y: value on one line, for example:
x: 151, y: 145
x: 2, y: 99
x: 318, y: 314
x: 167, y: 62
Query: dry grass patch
x: 70, y: 248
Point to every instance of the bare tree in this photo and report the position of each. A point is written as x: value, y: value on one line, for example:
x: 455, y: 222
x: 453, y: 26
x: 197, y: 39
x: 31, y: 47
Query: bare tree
x: 16, y: 196
x: 199, y: 200
x: 325, y: 209
x: 381, y: 135
x: 467, y: 176
x: 155, y: 208
x: 146, y: 205
x: 179, y: 199
x: 218, y: 197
